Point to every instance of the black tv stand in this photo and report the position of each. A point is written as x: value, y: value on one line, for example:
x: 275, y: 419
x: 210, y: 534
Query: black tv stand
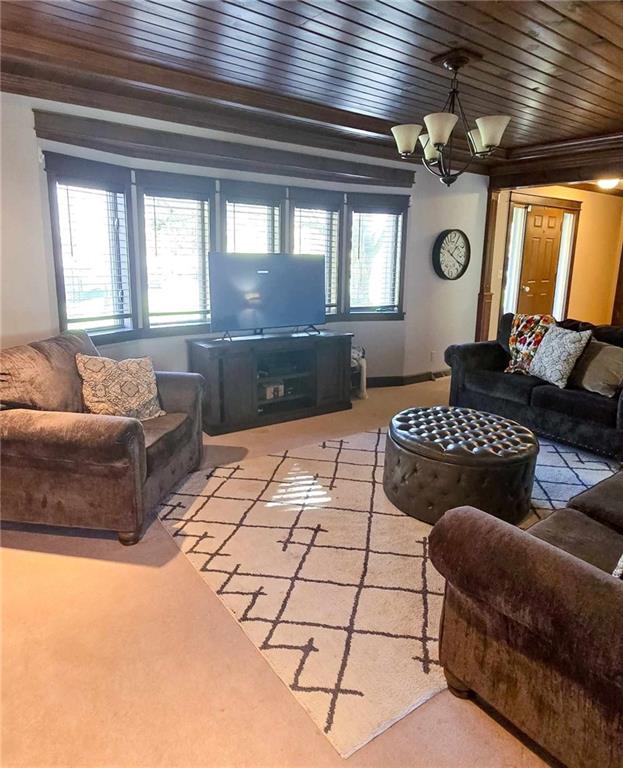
x: 268, y: 378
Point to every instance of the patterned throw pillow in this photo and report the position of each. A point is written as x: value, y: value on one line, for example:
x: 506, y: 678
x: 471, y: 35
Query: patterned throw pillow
x: 119, y: 387
x: 527, y: 333
x: 557, y: 355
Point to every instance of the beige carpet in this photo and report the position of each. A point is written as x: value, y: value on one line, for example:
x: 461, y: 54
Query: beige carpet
x: 123, y: 657
x: 331, y: 583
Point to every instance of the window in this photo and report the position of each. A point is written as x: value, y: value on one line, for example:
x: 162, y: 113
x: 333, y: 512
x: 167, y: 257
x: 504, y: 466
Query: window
x: 253, y: 227
x: 175, y: 222
x: 316, y: 231
x: 177, y: 238
x: 93, y: 237
x: 375, y: 261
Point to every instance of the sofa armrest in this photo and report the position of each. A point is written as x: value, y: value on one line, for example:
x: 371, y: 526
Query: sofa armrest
x: 481, y: 355
x: 59, y: 435
x: 180, y: 392
x: 603, y: 502
x: 562, y: 600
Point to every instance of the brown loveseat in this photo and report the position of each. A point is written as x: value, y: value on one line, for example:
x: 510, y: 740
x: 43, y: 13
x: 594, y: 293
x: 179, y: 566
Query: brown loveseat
x: 62, y: 466
x: 533, y: 621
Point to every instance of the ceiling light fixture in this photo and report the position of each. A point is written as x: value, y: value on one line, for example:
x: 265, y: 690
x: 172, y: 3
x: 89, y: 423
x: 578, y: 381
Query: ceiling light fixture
x: 608, y: 183
x: 436, y: 144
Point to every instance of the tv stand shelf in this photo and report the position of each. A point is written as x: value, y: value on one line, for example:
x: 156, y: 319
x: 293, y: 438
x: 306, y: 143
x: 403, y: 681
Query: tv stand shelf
x: 268, y: 378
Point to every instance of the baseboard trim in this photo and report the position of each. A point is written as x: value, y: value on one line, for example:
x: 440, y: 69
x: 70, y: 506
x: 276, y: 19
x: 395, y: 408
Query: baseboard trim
x: 401, y: 381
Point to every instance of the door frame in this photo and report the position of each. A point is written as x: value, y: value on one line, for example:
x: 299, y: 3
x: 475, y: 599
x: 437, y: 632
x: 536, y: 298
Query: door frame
x: 617, y: 314
x: 516, y: 199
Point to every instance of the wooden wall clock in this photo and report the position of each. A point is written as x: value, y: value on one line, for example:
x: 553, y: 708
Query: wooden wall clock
x: 451, y: 253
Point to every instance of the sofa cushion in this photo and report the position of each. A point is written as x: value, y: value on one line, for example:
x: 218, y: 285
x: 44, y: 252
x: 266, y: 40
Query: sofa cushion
x: 119, y: 387
x: 507, y: 386
x: 163, y: 437
x: 504, y: 331
x: 558, y: 353
x: 576, y: 403
x: 603, y: 502
x: 581, y: 536
x: 43, y: 375
x: 609, y: 334
x: 527, y: 332
x: 599, y: 369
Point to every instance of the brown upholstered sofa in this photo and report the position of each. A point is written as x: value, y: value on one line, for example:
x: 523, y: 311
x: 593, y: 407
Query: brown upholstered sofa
x: 62, y: 466
x: 533, y: 621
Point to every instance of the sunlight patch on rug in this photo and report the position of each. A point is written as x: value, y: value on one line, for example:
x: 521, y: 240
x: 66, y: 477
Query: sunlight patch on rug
x: 328, y: 579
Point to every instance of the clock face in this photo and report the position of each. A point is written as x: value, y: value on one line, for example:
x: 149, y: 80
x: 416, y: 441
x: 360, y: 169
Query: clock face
x: 451, y: 254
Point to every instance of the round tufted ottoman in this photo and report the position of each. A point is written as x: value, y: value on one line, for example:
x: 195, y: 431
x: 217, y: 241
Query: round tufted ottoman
x: 442, y: 457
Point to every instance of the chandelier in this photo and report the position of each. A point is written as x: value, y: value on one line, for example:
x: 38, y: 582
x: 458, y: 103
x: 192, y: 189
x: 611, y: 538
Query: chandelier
x: 437, y: 143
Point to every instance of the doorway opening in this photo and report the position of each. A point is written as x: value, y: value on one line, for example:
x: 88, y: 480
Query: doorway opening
x: 539, y: 255
x: 567, y: 261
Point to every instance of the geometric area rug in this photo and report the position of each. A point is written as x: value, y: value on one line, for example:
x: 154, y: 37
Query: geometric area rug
x: 331, y: 583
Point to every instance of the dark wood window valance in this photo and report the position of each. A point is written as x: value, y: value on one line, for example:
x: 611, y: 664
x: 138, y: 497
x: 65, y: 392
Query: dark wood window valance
x: 134, y: 141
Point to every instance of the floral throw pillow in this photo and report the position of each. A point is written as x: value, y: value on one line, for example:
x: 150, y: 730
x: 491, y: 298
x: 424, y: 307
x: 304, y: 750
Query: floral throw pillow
x: 119, y: 387
x: 527, y: 333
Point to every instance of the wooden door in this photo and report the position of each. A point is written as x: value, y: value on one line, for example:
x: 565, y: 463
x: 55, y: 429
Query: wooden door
x: 540, y: 260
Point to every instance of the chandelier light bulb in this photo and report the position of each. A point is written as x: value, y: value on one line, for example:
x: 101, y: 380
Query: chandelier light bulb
x: 492, y: 129
x: 439, y: 126
x: 406, y: 138
x: 476, y: 141
x: 430, y: 153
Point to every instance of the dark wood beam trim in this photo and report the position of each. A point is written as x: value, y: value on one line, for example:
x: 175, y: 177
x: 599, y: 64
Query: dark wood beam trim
x: 521, y: 198
x: 568, y: 146
x: 558, y: 170
x: 172, y: 147
x: 147, y: 103
x: 485, y: 296
x: 17, y: 46
x: 52, y: 78
x: 617, y: 192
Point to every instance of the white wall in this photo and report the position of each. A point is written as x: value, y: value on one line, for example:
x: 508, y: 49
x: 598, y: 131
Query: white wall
x: 441, y: 312
x: 438, y: 312
x: 28, y: 297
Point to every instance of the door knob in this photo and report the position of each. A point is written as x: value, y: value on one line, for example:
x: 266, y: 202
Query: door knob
x: 525, y: 288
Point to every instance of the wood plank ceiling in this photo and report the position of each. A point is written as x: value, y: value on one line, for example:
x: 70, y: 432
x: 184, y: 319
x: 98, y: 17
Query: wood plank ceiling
x: 335, y: 74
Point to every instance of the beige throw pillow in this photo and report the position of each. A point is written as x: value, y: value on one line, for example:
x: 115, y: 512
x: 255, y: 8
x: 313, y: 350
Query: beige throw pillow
x: 557, y: 354
x: 599, y: 369
x: 119, y: 387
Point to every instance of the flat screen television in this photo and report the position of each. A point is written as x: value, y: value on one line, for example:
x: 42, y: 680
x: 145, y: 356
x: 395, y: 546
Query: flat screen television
x: 249, y: 291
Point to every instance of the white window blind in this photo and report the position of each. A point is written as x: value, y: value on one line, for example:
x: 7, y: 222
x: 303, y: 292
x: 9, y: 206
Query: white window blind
x: 316, y: 231
x: 177, y: 241
x: 375, y: 262
x: 252, y: 227
x: 94, y: 252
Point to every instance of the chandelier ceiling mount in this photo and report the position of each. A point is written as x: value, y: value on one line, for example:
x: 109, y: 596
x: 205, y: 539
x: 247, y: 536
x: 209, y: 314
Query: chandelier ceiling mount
x: 437, y: 144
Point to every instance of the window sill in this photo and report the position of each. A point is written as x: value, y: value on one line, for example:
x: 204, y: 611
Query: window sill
x: 116, y: 337
x: 351, y: 317
x: 104, y: 338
